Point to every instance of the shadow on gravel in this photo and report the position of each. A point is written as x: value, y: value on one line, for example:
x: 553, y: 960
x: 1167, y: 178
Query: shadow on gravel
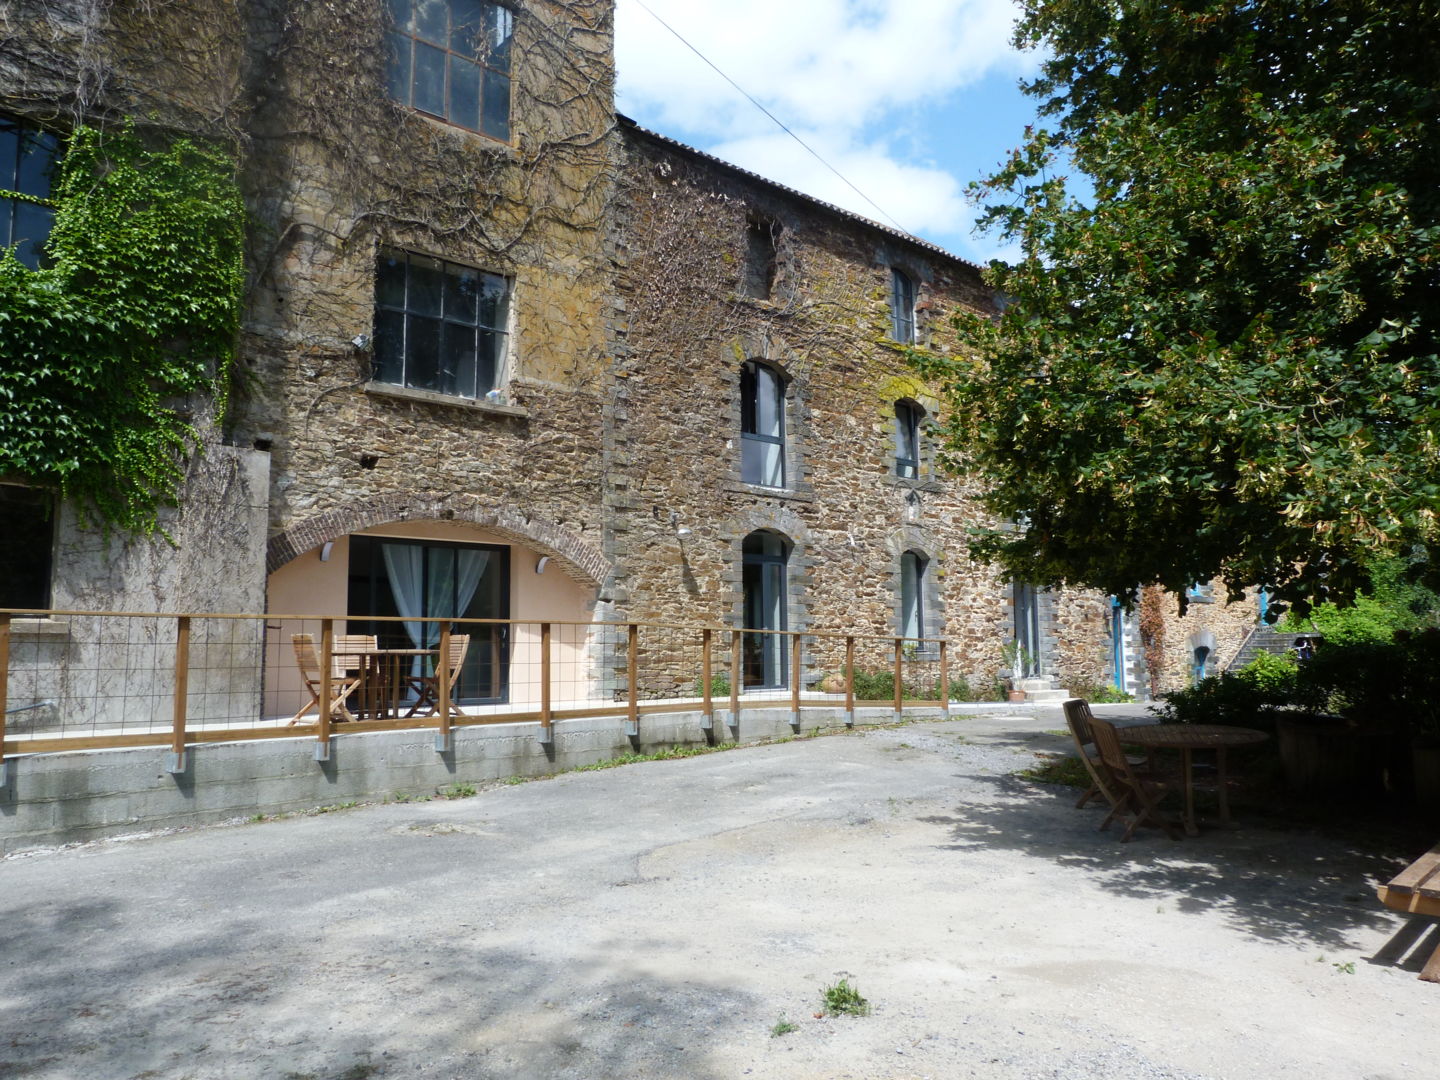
x: 226, y: 1005
x: 1295, y: 887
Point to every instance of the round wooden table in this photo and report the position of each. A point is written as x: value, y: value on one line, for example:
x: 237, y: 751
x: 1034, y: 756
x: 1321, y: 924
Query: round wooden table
x: 1187, y: 738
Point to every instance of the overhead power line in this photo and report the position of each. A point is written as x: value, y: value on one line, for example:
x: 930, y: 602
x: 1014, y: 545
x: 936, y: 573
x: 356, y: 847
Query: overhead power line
x: 778, y: 123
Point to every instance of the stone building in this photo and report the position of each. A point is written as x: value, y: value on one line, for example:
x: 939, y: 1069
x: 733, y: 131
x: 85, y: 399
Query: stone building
x: 505, y: 354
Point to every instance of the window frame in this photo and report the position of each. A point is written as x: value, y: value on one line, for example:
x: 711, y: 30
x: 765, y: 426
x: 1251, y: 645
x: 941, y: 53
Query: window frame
x: 909, y: 426
x: 903, y: 297
x: 908, y: 558
x: 750, y: 382
x: 18, y: 201
x: 500, y: 332
x: 481, y: 58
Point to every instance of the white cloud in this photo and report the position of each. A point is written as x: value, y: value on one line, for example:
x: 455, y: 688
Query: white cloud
x: 863, y: 82
x: 820, y: 64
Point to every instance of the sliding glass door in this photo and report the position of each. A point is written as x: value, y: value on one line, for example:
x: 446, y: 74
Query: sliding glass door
x: 430, y: 579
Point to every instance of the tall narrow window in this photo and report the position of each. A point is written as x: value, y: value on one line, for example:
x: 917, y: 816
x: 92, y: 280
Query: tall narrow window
x: 758, y: 277
x: 27, y: 545
x: 908, y: 417
x: 1027, y: 629
x: 451, y: 59
x: 26, y: 158
x: 762, y: 425
x: 439, y: 326
x: 764, y: 556
x: 902, y: 308
x: 912, y: 595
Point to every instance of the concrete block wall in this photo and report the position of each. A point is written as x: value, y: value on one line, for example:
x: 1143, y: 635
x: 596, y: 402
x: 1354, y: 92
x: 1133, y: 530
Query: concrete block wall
x: 50, y: 799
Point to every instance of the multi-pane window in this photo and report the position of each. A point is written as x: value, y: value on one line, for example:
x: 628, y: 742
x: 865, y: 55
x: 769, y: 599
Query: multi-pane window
x: 439, y: 326
x: 762, y: 425
x: 26, y: 157
x: 451, y: 59
x: 912, y: 599
x: 902, y: 308
x: 908, y: 417
x: 27, y: 545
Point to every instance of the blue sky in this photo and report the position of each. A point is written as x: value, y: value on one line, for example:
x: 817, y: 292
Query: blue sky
x: 909, y: 99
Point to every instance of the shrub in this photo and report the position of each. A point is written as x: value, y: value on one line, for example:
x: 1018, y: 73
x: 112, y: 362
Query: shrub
x: 1097, y: 693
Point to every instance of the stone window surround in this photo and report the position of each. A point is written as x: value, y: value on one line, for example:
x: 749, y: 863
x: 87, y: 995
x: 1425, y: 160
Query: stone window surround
x: 798, y: 567
x: 762, y: 349
x: 932, y: 598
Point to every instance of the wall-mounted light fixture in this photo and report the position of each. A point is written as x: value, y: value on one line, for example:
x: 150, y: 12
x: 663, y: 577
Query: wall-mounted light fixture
x: 361, y: 341
x: 325, y: 550
x: 681, y: 531
x: 541, y: 563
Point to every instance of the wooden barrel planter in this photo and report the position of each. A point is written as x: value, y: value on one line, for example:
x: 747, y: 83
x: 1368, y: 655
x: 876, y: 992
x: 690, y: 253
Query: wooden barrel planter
x: 1324, y: 755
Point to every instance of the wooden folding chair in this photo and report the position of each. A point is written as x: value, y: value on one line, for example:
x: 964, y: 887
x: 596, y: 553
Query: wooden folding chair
x: 1077, y: 719
x: 1139, y: 792
x: 346, y: 671
x: 427, y: 687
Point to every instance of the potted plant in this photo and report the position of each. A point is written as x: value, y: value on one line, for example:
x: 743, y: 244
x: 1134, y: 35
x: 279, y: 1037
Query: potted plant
x: 1018, y: 661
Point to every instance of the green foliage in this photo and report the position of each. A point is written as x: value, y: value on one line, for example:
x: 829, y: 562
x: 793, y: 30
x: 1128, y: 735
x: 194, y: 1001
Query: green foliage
x: 1394, y: 684
x: 842, y: 999
x: 1226, y: 363
x: 137, y: 309
x: 719, y: 686
x: 783, y: 1027
x: 458, y: 790
x: 1061, y: 769
x: 1097, y: 693
x: 1392, y: 603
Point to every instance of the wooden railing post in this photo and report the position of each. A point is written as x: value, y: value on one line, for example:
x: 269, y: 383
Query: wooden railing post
x: 850, y: 681
x: 899, y: 675
x: 444, y: 737
x: 735, y: 680
x: 4, y: 691
x: 327, y: 689
x: 944, y: 679
x: 632, y: 664
x: 795, y: 680
x: 707, y: 712
x: 176, y: 762
x: 547, y: 721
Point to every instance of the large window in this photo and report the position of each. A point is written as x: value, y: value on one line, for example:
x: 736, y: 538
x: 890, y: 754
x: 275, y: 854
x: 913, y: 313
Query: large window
x: 451, y: 59
x: 908, y: 418
x: 439, y: 326
x: 26, y: 158
x: 27, y: 544
x: 912, y: 598
x: 902, y: 308
x: 762, y: 425
x: 416, y: 580
x: 765, y: 556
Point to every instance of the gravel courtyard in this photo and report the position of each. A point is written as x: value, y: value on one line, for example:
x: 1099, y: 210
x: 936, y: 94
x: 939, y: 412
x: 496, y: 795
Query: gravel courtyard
x: 658, y: 920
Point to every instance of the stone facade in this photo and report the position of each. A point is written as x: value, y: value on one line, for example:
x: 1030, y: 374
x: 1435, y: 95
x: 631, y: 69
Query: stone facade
x: 642, y: 276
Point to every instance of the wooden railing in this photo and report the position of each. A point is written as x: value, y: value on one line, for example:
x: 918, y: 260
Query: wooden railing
x: 77, y: 679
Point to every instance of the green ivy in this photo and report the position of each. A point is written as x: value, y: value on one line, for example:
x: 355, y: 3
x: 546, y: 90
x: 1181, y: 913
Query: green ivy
x: 137, y: 309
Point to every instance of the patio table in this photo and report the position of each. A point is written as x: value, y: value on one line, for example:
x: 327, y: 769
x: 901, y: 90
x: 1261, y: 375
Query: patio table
x: 385, y: 679
x: 1187, y: 738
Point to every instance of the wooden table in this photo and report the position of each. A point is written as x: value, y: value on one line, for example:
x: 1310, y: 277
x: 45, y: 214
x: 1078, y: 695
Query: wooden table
x: 1187, y: 738
x: 385, y: 678
x: 1416, y: 889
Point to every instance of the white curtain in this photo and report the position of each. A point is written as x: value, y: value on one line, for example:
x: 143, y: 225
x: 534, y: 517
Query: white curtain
x: 405, y: 567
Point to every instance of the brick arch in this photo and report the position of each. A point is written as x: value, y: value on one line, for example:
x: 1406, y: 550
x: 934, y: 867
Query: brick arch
x: 578, y: 559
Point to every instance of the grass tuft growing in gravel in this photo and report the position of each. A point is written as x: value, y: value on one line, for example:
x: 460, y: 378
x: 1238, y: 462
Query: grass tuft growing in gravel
x: 842, y: 999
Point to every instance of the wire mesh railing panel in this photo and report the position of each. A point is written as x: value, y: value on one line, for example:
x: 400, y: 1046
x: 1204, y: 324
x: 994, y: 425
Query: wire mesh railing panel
x: 178, y: 678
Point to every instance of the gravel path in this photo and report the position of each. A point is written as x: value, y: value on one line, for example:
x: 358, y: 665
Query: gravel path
x: 657, y: 921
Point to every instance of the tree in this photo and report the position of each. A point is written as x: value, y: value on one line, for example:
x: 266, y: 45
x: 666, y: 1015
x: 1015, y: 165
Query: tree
x: 1225, y: 364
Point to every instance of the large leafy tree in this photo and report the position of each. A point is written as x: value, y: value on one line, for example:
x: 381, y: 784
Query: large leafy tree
x: 1224, y: 364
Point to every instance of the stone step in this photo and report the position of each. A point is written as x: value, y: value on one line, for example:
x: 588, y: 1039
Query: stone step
x: 1265, y: 639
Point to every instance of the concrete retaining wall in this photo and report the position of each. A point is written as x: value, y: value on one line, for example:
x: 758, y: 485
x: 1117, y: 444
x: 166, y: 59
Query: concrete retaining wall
x: 86, y: 795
